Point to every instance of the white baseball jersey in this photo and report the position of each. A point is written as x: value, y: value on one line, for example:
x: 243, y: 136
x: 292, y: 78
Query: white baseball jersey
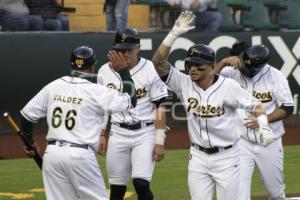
x: 75, y: 109
x: 271, y: 88
x: 211, y: 113
x: 149, y: 87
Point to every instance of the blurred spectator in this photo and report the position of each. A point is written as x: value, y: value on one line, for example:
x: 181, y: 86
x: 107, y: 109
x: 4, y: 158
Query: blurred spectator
x: 48, y: 9
x: 175, y: 11
x: 207, y: 16
x: 116, y: 12
x: 15, y: 17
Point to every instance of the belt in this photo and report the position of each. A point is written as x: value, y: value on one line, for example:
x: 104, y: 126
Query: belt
x: 134, y: 126
x: 63, y: 143
x: 210, y: 150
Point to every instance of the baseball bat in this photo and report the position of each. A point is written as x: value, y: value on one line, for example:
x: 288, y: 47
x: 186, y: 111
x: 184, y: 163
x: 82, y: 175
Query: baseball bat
x: 37, y: 158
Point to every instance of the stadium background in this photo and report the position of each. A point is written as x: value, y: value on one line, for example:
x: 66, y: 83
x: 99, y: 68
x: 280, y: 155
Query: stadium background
x: 33, y: 59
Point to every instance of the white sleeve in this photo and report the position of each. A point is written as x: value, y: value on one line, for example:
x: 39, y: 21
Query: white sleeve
x: 226, y: 71
x: 175, y: 79
x: 239, y: 97
x: 110, y: 100
x: 158, y: 88
x: 284, y: 94
x: 100, y: 79
x: 36, y: 108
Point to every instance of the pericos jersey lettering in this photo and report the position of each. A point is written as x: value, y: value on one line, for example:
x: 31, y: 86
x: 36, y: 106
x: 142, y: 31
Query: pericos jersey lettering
x: 204, y: 111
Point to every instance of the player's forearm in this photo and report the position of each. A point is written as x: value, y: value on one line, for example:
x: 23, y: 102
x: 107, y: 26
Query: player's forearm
x: 276, y: 115
x: 160, y: 56
x: 258, y: 111
x: 219, y: 66
x: 232, y: 61
x: 159, y: 60
x: 128, y: 85
x: 160, y: 121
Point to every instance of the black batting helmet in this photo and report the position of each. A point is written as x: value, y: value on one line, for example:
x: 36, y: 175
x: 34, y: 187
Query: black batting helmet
x: 127, y: 39
x: 200, y: 54
x: 256, y: 55
x: 83, y: 57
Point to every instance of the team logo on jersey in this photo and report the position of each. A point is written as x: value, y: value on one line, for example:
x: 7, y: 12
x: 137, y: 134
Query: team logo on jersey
x: 199, y: 110
x: 264, y: 97
x: 141, y: 92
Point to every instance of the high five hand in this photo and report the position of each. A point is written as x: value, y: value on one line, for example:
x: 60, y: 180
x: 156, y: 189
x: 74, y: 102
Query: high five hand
x: 184, y: 23
x: 117, y: 60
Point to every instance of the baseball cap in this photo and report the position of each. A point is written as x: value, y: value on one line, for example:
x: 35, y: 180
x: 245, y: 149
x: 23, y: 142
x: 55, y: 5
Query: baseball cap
x: 127, y: 39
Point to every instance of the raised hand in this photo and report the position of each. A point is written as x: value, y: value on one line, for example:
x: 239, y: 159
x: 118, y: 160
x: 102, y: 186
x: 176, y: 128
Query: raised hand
x: 117, y: 60
x: 184, y: 23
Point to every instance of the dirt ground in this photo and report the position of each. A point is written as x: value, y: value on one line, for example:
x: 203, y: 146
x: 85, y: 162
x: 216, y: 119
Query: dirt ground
x: 11, y: 146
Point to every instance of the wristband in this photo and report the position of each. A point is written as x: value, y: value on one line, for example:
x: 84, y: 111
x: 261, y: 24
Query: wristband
x: 160, y: 136
x: 170, y: 39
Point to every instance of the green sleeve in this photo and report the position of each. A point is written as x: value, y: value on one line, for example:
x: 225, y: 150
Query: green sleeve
x: 288, y: 109
x: 27, y: 128
x: 128, y: 85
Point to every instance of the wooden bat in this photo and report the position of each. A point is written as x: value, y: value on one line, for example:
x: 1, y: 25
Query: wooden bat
x: 37, y: 158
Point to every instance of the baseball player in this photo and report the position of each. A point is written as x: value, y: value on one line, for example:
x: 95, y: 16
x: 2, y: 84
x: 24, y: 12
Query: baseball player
x: 137, y: 136
x: 267, y: 84
x: 211, y: 104
x: 75, y: 109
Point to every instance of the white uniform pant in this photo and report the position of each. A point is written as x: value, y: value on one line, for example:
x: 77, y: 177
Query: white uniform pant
x: 72, y: 172
x: 269, y: 161
x: 220, y: 170
x: 130, y: 156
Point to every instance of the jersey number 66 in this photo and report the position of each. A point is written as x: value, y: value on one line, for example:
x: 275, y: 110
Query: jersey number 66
x: 57, y: 118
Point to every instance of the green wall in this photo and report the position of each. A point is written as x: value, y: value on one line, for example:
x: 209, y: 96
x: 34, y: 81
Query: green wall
x: 29, y: 61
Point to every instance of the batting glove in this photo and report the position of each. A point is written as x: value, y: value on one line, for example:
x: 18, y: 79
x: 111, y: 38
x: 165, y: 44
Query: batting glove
x: 265, y: 134
x: 184, y: 23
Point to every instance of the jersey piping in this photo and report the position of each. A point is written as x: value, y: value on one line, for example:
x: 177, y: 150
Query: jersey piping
x: 75, y: 82
x: 200, y: 116
x: 139, y: 68
x: 207, y: 104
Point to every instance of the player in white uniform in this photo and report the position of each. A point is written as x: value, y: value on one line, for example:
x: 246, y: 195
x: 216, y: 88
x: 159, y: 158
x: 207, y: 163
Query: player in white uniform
x: 211, y: 104
x: 75, y: 109
x: 268, y: 85
x: 136, y: 136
